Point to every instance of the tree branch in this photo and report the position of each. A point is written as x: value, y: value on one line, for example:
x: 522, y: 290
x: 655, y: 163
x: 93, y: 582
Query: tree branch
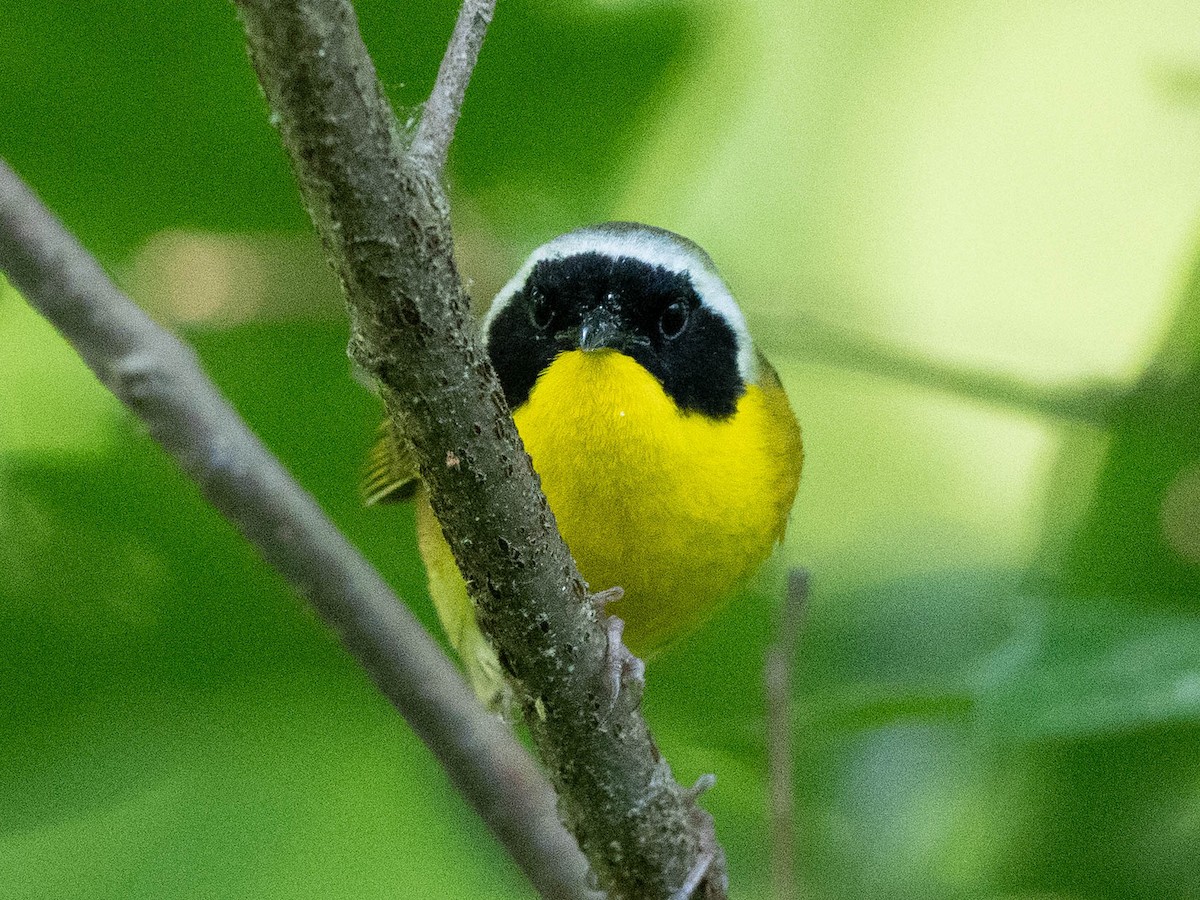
x: 160, y: 380
x: 1093, y: 402
x: 778, y: 675
x: 440, y: 116
x: 383, y: 218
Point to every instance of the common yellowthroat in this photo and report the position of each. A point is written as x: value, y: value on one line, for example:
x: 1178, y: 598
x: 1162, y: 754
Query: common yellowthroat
x: 664, y: 441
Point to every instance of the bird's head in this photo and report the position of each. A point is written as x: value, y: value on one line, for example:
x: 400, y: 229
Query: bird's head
x: 641, y: 291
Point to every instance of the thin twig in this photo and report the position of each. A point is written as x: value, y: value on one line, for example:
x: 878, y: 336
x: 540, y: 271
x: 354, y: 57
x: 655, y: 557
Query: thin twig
x: 384, y: 220
x: 1091, y: 403
x: 778, y: 673
x: 160, y: 380
x: 440, y: 116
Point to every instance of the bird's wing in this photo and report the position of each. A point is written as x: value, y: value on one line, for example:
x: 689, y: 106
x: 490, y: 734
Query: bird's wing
x: 391, y: 474
x: 788, y: 443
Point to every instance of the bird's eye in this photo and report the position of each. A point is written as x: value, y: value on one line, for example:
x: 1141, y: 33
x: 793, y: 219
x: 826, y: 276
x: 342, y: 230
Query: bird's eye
x: 540, y: 310
x: 674, y: 319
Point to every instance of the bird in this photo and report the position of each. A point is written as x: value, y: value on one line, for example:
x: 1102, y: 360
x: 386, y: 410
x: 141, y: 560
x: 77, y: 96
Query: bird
x: 664, y: 441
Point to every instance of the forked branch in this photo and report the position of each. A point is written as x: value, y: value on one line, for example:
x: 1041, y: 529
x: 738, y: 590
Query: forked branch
x: 160, y: 380
x: 384, y: 220
x: 440, y: 115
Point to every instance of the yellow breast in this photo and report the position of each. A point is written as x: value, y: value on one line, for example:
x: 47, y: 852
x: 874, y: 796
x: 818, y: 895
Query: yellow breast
x: 674, y: 507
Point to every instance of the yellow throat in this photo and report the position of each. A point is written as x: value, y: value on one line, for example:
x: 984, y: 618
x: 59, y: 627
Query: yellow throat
x: 674, y: 507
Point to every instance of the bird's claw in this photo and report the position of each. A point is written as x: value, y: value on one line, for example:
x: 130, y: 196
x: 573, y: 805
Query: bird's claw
x: 621, y: 665
x: 601, y: 599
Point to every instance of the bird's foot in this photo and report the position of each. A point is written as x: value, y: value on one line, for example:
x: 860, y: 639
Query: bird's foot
x: 623, y: 669
x: 601, y: 599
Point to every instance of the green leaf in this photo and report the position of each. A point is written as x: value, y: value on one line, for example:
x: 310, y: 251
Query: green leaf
x: 986, y: 649
x: 1080, y: 668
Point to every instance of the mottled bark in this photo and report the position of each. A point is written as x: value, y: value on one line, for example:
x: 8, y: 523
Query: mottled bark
x: 384, y: 219
x: 160, y: 380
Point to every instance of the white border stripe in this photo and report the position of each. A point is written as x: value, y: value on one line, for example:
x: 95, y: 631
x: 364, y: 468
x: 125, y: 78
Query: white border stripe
x: 652, y: 246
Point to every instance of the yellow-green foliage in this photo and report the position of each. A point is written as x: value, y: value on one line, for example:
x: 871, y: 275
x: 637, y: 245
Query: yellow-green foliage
x: 999, y: 687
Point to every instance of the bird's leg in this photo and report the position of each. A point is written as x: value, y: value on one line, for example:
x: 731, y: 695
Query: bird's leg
x: 622, y: 665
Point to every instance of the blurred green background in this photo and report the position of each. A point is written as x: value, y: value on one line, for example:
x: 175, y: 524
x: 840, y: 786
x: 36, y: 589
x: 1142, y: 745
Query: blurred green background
x: 964, y: 231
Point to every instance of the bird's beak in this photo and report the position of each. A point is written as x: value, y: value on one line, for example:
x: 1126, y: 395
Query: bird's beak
x: 599, y: 329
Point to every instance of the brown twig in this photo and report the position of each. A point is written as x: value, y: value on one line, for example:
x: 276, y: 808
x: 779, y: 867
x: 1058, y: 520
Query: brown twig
x: 384, y: 220
x: 778, y: 674
x: 160, y: 380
